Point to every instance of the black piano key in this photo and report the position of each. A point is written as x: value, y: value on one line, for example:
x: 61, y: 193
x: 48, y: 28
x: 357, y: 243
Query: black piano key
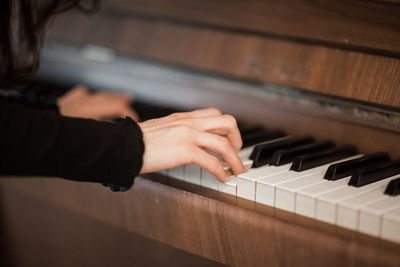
x: 262, y: 153
x: 310, y: 161
x: 285, y: 156
x: 393, y: 188
x: 257, y: 137
x: 251, y: 133
x: 375, y: 173
x: 347, y: 168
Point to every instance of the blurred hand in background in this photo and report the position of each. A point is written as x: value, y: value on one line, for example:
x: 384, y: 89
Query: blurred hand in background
x: 79, y: 102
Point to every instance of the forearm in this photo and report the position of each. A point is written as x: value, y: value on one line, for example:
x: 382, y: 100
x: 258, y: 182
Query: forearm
x: 43, y: 143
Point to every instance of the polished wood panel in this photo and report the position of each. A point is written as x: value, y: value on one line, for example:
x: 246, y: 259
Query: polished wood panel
x: 365, y: 24
x: 36, y: 232
x: 203, y: 223
x: 250, y: 103
x: 297, y: 115
x: 317, y: 46
x: 349, y: 74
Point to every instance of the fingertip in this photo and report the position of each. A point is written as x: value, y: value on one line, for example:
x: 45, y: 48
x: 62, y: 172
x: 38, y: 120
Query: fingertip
x: 241, y: 170
x: 222, y: 176
x: 223, y: 179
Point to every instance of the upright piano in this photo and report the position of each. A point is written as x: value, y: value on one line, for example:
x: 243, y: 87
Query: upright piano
x: 315, y: 87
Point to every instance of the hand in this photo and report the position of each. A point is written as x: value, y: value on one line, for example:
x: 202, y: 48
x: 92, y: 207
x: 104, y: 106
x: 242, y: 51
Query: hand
x: 78, y: 102
x: 181, y: 138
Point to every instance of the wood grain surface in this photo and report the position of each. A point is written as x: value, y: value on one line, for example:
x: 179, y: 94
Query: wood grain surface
x: 373, y: 25
x: 250, y: 103
x: 331, y: 71
x: 340, y: 48
x: 37, y: 232
x: 205, y: 225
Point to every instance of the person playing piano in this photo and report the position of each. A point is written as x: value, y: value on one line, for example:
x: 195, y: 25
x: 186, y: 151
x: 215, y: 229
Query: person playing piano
x: 37, y: 141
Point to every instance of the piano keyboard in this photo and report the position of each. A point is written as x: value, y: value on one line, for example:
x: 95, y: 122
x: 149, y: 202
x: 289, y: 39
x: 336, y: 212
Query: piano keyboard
x: 319, y: 180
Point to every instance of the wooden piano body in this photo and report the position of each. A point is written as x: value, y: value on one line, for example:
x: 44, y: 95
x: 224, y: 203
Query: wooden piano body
x: 326, y: 68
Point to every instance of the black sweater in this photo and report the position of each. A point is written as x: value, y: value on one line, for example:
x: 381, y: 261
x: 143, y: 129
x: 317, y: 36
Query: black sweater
x: 43, y: 143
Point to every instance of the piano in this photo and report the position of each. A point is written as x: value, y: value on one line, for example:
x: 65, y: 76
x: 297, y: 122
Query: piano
x: 315, y: 86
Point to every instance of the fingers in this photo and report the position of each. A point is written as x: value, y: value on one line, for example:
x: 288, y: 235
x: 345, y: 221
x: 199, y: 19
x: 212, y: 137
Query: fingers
x: 75, y: 93
x: 118, y: 97
x: 221, y: 125
x: 201, y: 113
x: 79, y: 88
x: 192, y: 133
x: 218, y: 124
x: 134, y: 116
x: 113, y: 106
x: 179, y: 117
x: 221, y: 146
x: 210, y: 163
x: 127, y: 111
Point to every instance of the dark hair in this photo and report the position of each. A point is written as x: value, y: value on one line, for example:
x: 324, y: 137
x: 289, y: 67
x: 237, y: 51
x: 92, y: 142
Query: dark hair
x: 22, y: 25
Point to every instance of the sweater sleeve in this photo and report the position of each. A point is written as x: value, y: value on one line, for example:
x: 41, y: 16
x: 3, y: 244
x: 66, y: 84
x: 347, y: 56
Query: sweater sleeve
x: 43, y: 143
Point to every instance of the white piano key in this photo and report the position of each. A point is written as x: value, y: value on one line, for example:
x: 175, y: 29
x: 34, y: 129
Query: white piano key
x: 348, y: 210
x: 391, y: 225
x: 247, y: 163
x: 246, y: 182
x: 265, y: 194
x: 264, y: 171
x: 371, y: 215
x: 177, y: 172
x: 163, y: 172
x: 265, y: 187
x: 285, y: 193
x: 326, y: 209
x: 268, y: 185
x: 306, y: 198
x: 208, y: 180
x: 229, y: 187
x: 193, y: 174
x: 245, y: 152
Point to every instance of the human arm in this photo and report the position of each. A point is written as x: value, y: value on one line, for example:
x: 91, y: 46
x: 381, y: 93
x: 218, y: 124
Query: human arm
x: 37, y: 142
x: 40, y: 142
x: 170, y: 141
